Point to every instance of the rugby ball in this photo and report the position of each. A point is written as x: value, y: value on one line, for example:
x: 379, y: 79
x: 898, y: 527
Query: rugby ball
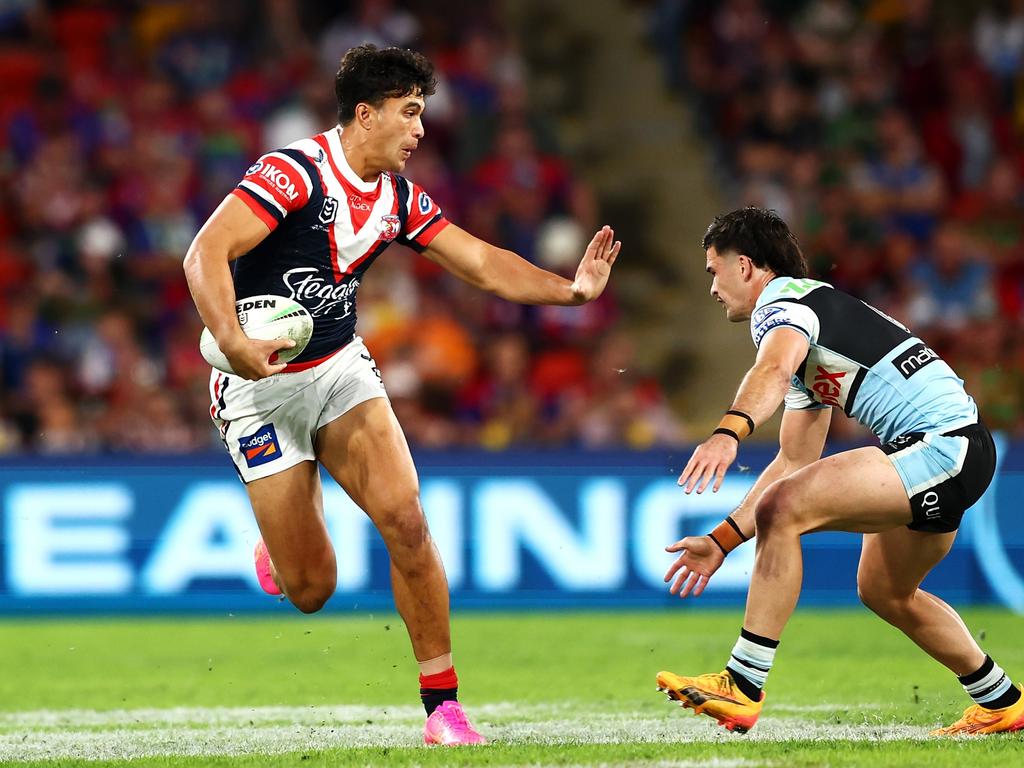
x: 264, y: 317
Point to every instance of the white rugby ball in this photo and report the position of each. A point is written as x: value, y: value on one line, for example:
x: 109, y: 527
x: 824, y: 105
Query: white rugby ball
x: 264, y: 317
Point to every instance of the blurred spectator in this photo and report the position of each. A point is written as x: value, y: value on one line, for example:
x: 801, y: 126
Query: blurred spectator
x: 121, y: 129
x: 891, y: 141
x: 953, y: 285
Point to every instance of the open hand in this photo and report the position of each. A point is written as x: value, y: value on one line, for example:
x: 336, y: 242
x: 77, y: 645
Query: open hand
x: 596, y: 267
x: 710, y: 460
x: 699, y: 558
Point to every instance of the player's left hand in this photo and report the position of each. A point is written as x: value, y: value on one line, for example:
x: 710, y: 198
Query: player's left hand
x: 699, y: 558
x: 710, y: 460
x: 596, y: 267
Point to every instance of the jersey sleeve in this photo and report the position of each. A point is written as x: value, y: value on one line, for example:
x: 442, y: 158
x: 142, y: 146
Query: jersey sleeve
x: 783, y: 314
x: 424, y: 219
x: 274, y: 186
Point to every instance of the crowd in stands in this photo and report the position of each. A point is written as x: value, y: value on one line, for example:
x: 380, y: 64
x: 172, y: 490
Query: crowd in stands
x: 888, y: 134
x: 122, y: 126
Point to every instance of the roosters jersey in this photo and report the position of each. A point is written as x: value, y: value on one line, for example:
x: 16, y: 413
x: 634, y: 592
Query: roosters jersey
x: 862, y: 361
x: 327, y: 226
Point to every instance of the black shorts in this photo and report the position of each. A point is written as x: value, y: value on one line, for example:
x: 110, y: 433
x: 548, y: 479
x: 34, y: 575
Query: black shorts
x: 944, y: 473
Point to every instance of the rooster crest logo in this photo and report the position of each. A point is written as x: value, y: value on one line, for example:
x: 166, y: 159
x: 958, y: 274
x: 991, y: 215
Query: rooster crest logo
x: 389, y: 226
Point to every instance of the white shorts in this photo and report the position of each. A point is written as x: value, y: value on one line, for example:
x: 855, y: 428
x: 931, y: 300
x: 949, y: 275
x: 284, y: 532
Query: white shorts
x: 271, y: 424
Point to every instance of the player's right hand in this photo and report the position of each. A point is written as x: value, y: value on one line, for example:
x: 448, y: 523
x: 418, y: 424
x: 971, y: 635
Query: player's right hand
x: 251, y: 358
x: 709, y: 462
x: 698, y: 560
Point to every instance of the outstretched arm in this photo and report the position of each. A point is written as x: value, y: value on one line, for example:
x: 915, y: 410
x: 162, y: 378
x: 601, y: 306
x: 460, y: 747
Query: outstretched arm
x: 512, y: 277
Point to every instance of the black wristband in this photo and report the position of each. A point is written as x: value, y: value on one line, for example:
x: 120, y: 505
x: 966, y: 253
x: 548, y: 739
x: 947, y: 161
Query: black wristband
x: 724, y: 550
x: 736, y: 528
x: 726, y: 431
x: 742, y: 415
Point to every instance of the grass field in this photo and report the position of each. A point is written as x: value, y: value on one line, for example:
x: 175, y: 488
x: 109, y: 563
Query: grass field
x: 547, y: 689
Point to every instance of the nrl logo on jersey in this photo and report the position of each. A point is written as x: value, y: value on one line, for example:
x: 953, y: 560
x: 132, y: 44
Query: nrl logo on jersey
x: 389, y: 226
x: 329, y: 210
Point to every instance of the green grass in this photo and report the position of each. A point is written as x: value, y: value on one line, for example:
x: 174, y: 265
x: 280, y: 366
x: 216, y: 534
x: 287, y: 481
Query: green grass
x: 846, y: 690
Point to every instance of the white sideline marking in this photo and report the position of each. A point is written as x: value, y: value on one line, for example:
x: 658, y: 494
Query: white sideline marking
x: 193, y: 731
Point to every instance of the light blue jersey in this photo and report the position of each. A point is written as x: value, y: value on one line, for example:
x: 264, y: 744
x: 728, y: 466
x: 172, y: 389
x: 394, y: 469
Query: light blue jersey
x: 863, y: 361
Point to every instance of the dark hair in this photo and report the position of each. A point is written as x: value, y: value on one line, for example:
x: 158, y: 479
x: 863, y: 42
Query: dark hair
x: 370, y: 74
x: 762, y: 236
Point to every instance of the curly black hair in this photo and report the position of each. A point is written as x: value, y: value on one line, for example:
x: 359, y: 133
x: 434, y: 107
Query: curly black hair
x: 762, y: 236
x: 370, y: 75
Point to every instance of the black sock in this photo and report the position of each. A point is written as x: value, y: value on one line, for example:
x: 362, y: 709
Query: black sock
x: 750, y: 690
x: 434, y: 697
x: 751, y: 661
x: 989, y: 686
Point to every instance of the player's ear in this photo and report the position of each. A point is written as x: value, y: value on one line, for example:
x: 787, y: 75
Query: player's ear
x: 746, y: 266
x: 364, y: 115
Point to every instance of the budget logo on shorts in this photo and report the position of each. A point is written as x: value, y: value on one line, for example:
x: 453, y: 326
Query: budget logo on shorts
x: 260, y: 447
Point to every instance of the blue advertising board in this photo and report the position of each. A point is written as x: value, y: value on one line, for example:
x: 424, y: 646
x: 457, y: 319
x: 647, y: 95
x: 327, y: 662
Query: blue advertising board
x: 559, y: 529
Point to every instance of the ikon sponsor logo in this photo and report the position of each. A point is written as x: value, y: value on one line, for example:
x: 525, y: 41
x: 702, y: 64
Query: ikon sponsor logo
x: 276, y: 177
x: 914, y: 359
x: 424, y: 202
x: 260, y: 447
x: 828, y: 385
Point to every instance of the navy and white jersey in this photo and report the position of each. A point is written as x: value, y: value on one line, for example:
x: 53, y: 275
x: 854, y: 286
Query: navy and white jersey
x: 327, y: 226
x: 863, y: 361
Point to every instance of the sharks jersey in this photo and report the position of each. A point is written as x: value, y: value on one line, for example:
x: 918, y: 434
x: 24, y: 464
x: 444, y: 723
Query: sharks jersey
x: 862, y: 361
x: 327, y: 227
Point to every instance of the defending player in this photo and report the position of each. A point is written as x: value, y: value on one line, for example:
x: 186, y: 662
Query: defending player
x: 818, y: 347
x: 306, y: 222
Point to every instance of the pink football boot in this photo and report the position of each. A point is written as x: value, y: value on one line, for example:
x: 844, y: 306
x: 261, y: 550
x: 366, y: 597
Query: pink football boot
x: 263, y: 575
x: 448, y: 725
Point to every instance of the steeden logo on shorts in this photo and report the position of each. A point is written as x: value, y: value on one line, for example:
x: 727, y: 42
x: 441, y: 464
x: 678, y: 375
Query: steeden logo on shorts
x: 260, y: 447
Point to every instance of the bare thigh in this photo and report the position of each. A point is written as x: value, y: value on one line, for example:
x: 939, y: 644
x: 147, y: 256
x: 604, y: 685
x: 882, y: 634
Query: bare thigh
x: 366, y: 452
x: 289, y: 510
x: 858, y: 491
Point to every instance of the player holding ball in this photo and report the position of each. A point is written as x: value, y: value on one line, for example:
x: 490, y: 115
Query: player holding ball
x: 305, y: 223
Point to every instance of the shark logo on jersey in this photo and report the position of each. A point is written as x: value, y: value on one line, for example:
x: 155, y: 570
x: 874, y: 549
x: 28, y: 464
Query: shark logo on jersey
x: 764, y: 313
x: 766, y: 318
